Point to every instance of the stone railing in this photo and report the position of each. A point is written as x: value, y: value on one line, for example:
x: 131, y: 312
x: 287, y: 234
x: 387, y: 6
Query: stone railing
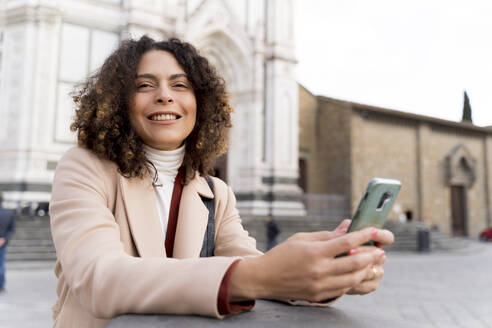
x: 269, y: 314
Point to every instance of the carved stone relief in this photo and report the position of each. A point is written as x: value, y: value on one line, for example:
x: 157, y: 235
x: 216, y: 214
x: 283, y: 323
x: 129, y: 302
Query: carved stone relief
x: 461, y: 167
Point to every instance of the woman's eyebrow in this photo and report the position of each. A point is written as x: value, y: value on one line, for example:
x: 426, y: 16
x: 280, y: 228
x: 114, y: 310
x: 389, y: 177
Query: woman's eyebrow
x: 153, y: 77
x: 147, y: 76
x: 177, y: 76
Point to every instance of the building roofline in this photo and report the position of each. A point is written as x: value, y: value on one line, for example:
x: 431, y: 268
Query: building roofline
x: 415, y: 117
x: 307, y: 90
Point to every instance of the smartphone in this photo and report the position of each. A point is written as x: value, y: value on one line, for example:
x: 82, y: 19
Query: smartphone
x: 375, y: 205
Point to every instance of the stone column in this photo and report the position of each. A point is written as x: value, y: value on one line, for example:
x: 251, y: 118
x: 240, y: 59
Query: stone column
x: 280, y: 155
x: 423, y: 137
x: 30, y: 48
x: 487, y: 163
x: 257, y: 63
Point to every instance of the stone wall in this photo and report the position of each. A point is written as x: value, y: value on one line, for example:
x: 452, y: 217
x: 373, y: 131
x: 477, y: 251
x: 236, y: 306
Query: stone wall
x: 308, y: 109
x: 334, y: 147
x: 324, y: 141
x: 385, y: 147
x: 437, y: 202
x: 414, y: 151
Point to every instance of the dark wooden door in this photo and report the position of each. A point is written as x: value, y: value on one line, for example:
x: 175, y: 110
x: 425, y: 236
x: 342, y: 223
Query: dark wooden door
x: 220, y: 168
x: 458, y: 207
x: 302, y: 181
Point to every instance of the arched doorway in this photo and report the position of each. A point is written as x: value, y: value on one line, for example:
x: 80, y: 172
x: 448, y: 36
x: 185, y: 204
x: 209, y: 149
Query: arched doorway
x: 461, y: 176
x: 220, y: 167
x: 458, y: 211
x: 230, y: 58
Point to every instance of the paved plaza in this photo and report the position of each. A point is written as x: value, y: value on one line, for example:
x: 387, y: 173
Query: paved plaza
x: 421, y: 290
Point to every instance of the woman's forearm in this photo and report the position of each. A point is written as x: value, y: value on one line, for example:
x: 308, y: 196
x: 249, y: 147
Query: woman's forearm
x: 305, y: 267
x: 246, y: 281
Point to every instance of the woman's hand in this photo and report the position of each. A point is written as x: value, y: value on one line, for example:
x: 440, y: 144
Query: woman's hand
x: 375, y: 270
x: 304, y: 267
x: 374, y: 275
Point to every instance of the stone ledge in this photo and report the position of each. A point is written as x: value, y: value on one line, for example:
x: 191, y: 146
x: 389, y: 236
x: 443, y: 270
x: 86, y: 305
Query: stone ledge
x: 269, y: 314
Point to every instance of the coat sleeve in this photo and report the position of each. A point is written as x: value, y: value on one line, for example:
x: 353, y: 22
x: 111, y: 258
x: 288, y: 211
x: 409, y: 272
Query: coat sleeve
x: 232, y: 239
x: 106, y: 280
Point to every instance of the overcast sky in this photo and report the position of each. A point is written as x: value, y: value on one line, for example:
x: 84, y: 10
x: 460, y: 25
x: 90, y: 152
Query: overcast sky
x: 416, y: 56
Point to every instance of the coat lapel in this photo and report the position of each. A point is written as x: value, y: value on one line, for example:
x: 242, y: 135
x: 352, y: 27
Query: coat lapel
x: 192, y: 219
x: 143, y: 219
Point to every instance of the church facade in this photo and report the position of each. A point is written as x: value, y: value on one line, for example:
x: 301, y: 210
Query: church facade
x: 445, y: 167
x: 47, y: 47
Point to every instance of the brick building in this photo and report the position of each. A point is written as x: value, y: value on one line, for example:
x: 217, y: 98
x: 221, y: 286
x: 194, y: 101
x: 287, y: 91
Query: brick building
x: 445, y: 167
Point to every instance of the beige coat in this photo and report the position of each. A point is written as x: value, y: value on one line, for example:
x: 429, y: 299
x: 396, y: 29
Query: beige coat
x: 110, y: 250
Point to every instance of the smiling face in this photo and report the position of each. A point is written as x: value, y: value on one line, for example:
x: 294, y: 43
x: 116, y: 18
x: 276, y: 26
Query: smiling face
x: 163, y: 109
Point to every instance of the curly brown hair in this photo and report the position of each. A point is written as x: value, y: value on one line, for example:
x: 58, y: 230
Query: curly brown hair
x: 102, y: 109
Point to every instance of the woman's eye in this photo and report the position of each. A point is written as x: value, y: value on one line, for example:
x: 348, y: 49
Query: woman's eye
x: 180, y: 85
x: 143, y: 85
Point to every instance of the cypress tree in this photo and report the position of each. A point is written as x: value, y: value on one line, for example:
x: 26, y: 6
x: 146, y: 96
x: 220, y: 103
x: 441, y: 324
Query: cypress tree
x: 467, y: 111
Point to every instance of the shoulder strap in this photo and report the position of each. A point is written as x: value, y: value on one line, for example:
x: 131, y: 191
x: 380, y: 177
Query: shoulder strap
x: 209, y: 238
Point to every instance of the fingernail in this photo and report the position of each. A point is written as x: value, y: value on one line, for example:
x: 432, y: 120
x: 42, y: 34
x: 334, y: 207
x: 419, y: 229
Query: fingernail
x: 353, y: 251
x: 372, y: 265
x: 374, y: 233
x: 382, y: 253
x: 341, y: 231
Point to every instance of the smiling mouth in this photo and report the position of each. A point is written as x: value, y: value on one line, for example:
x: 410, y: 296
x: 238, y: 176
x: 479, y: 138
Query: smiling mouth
x: 164, y: 117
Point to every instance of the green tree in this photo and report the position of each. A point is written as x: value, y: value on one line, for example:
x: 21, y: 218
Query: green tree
x: 467, y: 111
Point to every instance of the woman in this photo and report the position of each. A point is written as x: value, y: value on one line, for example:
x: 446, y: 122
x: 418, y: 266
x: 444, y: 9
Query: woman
x: 128, y: 215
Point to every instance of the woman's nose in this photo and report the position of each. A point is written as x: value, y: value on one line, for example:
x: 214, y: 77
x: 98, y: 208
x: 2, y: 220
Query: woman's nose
x: 162, y: 100
x: 163, y: 97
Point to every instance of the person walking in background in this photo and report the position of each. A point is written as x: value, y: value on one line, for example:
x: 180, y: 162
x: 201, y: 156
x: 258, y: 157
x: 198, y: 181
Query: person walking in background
x: 7, y: 226
x: 272, y: 231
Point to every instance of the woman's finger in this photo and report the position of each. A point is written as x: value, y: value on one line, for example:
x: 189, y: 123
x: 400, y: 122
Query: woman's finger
x: 361, y: 249
x: 371, y: 283
x: 323, y: 235
x: 318, y: 235
x: 346, y: 280
x: 355, y: 262
x: 364, y: 288
x: 351, y: 240
x: 345, y: 224
x: 383, y: 238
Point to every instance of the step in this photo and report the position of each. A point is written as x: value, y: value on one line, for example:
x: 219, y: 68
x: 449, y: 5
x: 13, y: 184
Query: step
x: 30, y: 242
x: 30, y: 249
x: 30, y: 256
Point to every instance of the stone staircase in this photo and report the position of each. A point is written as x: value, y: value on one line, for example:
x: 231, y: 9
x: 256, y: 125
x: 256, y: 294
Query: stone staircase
x: 406, y: 234
x: 288, y: 226
x: 31, y: 240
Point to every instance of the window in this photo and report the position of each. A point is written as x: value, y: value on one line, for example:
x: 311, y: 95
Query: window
x: 82, y: 52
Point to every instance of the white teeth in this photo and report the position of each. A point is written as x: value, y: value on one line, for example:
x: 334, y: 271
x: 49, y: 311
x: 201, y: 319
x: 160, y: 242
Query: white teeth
x: 163, y: 117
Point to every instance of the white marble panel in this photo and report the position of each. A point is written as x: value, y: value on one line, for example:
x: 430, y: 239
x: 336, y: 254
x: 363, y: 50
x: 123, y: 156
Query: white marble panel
x: 64, y: 114
x: 102, y: 45
x: 74, y: 57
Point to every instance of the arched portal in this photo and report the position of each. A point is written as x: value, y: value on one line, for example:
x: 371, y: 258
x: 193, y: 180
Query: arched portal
x: 461, y: 174
x: 231, y: 60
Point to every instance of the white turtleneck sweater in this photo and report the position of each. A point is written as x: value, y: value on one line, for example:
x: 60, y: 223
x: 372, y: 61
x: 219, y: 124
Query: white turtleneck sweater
x: 167, y: 163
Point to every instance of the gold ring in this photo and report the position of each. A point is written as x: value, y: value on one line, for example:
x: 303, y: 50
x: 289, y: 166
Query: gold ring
x: 375, y: 271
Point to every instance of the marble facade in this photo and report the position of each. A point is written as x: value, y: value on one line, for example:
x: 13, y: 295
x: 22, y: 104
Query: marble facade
x: 48, y: 46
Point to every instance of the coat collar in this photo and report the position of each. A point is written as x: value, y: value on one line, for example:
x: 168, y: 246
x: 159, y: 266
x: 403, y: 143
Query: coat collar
x: 143, y: 218
x: 192, y: 219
